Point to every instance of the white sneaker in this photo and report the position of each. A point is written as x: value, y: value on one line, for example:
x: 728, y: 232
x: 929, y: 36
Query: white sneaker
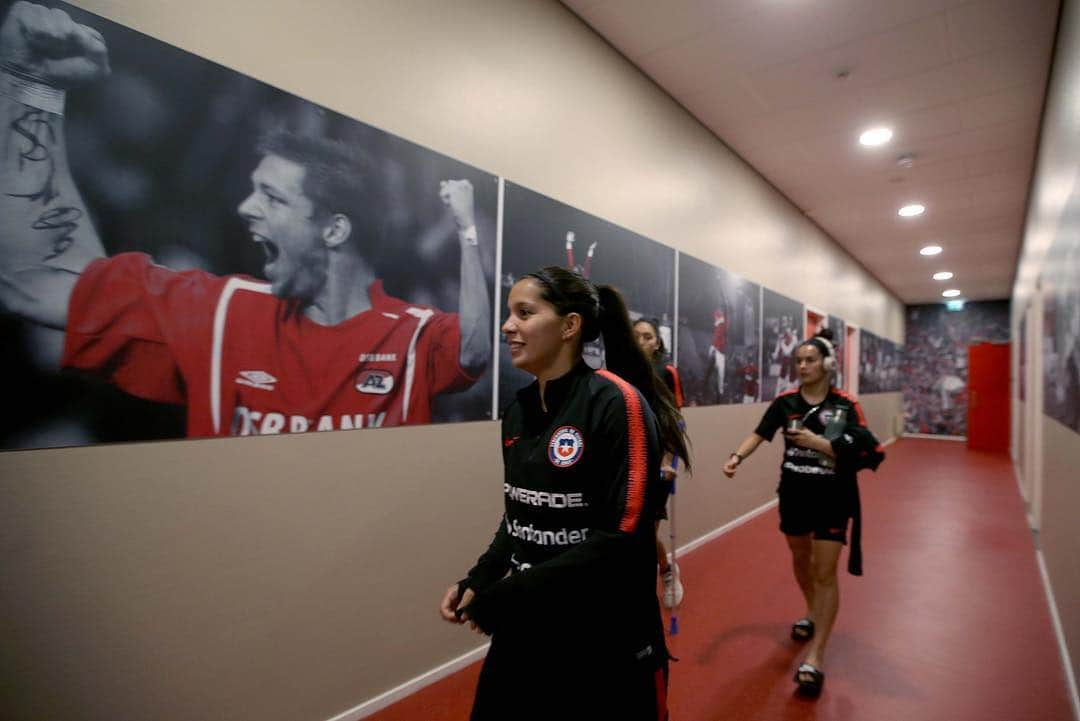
x: 673, y: 590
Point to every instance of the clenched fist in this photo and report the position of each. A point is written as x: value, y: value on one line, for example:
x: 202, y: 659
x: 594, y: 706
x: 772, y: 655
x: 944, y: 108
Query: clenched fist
x: 458, y: 196
x: 48, y: 45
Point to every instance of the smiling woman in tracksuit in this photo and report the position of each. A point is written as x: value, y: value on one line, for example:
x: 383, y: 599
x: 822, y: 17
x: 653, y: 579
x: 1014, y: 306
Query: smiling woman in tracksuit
x: 567, y: 588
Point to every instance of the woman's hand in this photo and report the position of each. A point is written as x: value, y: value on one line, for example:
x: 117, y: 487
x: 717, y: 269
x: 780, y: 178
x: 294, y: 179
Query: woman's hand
x: 732, y: 464
x: 808, y: 439
x: 451, y: 603
x: 668, y: 473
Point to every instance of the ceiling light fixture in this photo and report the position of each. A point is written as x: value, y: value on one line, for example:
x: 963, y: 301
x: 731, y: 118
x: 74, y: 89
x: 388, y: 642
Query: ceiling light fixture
x: 951, y: 293
x: 909, y: 211
x: 875, y: 136
x: 930, y: 250
x: 943, y: 275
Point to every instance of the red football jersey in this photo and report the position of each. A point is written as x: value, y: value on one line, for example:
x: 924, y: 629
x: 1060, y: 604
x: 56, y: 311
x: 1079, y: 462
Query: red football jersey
x: 246, y: 362
x: 719, y: 331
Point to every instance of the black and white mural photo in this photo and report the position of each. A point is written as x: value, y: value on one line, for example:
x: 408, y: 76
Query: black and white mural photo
x: 783, y: 321
x: 719, y: 332
x: 539, y: 231
x: 839, y: 331
x: 1061, y: 318
x: 879, y: 364
x: 186, y: 251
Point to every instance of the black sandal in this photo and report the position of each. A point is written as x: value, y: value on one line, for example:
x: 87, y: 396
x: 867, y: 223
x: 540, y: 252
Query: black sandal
x: 810, y: 680
x: 802, y: 630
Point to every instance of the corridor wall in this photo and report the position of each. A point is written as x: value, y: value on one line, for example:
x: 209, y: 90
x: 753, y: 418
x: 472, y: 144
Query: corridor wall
x: 1046, y: 315
x: 298, y: 576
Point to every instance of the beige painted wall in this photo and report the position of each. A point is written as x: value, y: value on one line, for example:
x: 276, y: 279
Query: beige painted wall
x: 1058, y: 538
x: 295, y: 577
x: 1053, y: 452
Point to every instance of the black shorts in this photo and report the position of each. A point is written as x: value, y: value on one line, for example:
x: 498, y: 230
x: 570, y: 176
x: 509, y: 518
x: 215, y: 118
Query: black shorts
x: 805, y: 508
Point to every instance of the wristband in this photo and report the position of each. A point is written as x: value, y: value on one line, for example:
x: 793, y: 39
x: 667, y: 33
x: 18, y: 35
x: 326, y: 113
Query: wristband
x: 31, y: 91
x: 468, y: 236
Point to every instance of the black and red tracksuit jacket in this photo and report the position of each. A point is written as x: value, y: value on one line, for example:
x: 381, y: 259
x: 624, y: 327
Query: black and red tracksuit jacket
x: 574, y: 554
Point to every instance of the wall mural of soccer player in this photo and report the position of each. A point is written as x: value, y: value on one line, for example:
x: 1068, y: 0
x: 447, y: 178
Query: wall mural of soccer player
x: 782, y: 325
x: 839, y: 331
x: 305, y: 262
x: 539, y: 231
x: 1061, y: 319
x: 870, y: 357
x: 893, y: 355
x: 719, y: 342
x: 879, y: 365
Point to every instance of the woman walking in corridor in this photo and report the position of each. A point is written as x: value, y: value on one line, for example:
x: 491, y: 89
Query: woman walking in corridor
x: 825, y: 442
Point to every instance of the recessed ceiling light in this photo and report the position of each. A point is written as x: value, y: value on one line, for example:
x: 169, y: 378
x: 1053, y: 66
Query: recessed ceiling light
x: 875, y: 136
x: 951, y: 293
x: 930, y: 250
x: 943, y: 275
x: 910, y: 210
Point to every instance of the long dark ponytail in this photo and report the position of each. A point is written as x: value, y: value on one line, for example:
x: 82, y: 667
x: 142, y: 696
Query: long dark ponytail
x: 603, y: 313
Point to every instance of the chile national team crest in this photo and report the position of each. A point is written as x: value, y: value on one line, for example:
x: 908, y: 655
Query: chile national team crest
x: 565, y: 447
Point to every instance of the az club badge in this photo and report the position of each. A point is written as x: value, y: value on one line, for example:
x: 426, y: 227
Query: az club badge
x: 565, y: 447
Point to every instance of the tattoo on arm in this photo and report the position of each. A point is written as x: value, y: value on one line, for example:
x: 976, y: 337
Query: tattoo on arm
x: 39, y: 136
x: 34, y: 127
x: 64, y: 219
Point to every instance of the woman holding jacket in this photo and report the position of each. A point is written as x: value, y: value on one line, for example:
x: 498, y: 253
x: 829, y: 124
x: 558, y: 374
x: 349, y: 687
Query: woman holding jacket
x: 826, y: 442
x: 566, y: 588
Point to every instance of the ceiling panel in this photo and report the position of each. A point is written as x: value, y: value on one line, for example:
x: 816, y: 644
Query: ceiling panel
x: 788, y: 86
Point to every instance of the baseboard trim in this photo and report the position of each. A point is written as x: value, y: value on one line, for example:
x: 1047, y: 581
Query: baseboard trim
x: 1059, y: 631
x: 730, y: 525
x: 426, y: 679
x: 412, y: 686
x: 932, y: 437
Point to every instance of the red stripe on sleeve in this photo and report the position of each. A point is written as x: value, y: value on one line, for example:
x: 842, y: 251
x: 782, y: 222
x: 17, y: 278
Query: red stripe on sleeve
x: 637, y: 452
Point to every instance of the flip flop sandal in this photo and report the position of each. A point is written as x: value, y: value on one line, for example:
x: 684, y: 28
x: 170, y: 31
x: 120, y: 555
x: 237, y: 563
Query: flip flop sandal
x: 810, y: 680
x: 802, y: 630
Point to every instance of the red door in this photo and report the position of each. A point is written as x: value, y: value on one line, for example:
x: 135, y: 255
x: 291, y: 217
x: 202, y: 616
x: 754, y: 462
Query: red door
x: 988, y: 397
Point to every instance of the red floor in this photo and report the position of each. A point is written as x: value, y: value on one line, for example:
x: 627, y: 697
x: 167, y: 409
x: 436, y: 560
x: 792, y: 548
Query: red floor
x: 949, y: 622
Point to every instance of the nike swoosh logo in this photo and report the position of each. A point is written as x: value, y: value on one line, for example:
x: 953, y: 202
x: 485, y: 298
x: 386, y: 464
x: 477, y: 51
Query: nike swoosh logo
x: 507, y: 442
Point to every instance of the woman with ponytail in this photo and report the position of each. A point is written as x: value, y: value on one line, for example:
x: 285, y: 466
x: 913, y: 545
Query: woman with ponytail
x: 567, y: 588
x: 826, y: 442
x: 647, y: 333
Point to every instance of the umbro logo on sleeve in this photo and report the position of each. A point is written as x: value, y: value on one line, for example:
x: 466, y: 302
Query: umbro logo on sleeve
x: 256, y: 379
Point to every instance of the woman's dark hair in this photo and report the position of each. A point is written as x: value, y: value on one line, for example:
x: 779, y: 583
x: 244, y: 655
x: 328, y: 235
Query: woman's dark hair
x: 603, y: 312
x: 826, y: 348
x: 655, y: 325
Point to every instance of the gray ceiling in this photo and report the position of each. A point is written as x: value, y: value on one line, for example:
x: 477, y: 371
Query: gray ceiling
x: 790, y: 84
